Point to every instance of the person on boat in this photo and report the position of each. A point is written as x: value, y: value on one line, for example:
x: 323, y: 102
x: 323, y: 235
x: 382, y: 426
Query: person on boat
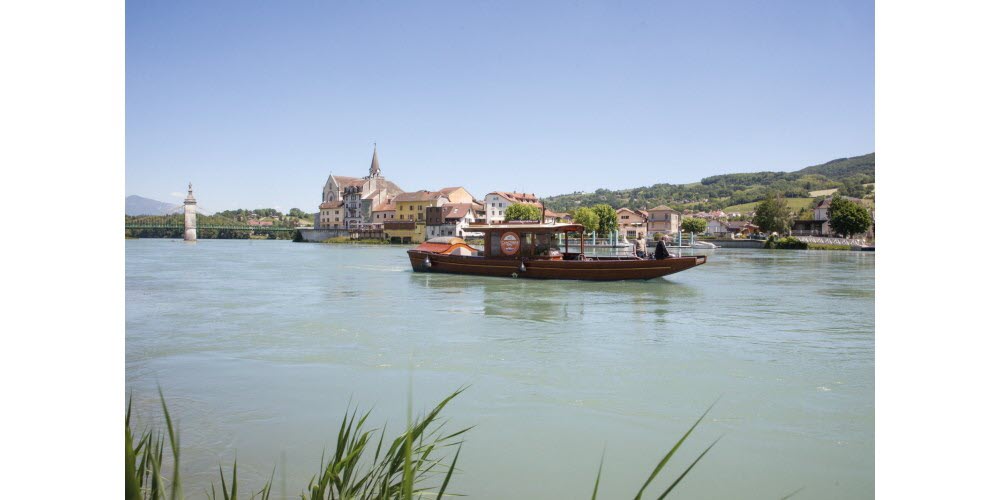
x: 640, y: 248
x: 661, y: 249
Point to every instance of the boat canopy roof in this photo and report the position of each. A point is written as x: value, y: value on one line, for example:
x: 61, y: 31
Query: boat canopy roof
x: 528, y: 227
x: 447, y: 240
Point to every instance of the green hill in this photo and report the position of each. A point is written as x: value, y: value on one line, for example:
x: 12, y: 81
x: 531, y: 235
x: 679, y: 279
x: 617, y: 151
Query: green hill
x: 794, y: 204
x: 848, y: 175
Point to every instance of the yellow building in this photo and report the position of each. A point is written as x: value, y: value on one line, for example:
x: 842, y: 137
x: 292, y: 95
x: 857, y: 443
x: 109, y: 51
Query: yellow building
x: 411, y: 208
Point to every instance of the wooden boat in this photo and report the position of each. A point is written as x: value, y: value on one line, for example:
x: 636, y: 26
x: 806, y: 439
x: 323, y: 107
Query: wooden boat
x: 532, y: 250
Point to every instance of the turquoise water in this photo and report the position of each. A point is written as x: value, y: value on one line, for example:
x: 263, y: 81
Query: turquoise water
x: 260, y: 345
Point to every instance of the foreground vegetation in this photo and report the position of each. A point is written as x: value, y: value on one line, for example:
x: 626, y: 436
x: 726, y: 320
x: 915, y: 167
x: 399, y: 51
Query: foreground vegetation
x: 364, y: 464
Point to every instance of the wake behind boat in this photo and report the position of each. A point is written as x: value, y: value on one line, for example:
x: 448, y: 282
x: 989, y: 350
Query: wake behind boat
x: 541, y: 251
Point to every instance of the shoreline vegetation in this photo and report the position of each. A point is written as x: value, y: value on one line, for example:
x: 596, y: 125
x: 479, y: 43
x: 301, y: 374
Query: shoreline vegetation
x: 364, y: 465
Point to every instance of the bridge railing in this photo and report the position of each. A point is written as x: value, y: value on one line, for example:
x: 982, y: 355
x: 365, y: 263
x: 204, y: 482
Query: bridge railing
x: 209, y: 226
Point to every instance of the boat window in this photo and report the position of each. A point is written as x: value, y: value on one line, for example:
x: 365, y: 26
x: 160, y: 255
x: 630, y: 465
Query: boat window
x: 542, y: 243
x: 495, y: 246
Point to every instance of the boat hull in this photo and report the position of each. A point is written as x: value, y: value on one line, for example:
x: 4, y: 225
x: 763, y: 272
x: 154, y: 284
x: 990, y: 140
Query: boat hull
x: 591, y: 270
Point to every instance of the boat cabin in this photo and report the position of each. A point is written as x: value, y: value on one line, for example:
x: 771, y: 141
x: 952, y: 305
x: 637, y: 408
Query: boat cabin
x: 530, y: 241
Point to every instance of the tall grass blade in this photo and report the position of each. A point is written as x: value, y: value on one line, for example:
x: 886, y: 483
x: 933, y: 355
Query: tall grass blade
x: 232, y: 494
x: 176, y: 491
x: 792, y: 494
x: 408, y: 450
x: 225, y: 490
x: 678, y: 480
x: 597, y: 482
x: 447, y: 478
x: 132, y: 477
x: 670, y: 454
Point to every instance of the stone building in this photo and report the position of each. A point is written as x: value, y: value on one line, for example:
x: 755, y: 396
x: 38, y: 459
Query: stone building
x: 348, y: 202
x: 663, y: 220
x: 631, y: 223
x: 453, y: 219
x: 383, y: 213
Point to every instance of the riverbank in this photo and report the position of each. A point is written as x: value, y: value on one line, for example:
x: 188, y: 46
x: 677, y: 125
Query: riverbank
x: 357, y: 241
x: 786, y: 243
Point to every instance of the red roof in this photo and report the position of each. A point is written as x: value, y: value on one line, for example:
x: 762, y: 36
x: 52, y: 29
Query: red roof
x: 417, y: 196
x: 385, y: 207
x: 458, y: 210
x: 526, y: 198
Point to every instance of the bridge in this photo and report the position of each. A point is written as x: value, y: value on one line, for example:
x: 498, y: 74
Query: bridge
x: 231, y: 227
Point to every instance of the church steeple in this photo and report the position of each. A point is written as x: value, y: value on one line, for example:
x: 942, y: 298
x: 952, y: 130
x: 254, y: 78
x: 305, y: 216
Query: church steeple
x: 375, y: 171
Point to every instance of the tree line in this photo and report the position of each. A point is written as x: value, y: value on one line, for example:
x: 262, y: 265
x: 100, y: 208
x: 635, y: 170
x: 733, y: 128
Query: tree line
x: 771, y: 215
x: 847, y: 218
x: 851, y: 176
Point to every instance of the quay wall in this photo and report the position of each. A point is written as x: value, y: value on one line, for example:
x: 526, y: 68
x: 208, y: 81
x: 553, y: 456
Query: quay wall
x: 735, y: 243
x: 318, y: 235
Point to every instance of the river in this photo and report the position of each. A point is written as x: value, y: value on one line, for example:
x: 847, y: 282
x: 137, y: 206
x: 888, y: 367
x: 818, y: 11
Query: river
x: 259, y: 347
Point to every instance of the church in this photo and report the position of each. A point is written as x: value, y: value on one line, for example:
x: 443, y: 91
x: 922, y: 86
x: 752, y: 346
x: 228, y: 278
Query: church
x: 348, y: 201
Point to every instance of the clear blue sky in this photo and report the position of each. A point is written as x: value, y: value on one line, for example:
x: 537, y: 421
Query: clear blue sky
x: 257, y: 102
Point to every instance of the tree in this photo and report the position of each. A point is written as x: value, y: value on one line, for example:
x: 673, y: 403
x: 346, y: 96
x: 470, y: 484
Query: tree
x: 772, y: 214
x: 297, y: 213
x: 607, y: 218
x: 587, y: 218
x: 521, y: 211
x: 848, y: 218
x: 694, y: 225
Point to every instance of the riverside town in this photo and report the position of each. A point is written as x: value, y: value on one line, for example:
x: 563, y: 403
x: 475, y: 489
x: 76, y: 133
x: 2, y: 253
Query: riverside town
x: 373, y: 207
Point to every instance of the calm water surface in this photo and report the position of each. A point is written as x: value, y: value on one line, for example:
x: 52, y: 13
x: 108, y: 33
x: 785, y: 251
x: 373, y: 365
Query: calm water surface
x: 260, y: 345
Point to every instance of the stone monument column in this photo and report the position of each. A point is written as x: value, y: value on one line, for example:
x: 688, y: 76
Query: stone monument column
x: 190, y: 218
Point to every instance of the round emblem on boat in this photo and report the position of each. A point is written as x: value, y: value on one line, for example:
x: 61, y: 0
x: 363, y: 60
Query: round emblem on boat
x: 510, y: 243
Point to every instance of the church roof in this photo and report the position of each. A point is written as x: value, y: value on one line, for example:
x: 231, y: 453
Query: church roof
x: 344, y: 181
x: 375, y: 170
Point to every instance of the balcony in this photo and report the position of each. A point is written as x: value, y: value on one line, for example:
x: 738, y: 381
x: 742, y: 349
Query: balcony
x: 399, y: 225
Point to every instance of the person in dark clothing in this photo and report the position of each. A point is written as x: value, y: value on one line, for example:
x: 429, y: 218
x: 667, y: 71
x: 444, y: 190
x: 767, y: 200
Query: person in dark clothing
x: 661, y: 249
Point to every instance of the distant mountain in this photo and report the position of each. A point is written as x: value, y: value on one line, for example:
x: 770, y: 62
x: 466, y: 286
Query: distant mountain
x: 850, y: 176
x: 137, y: 205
